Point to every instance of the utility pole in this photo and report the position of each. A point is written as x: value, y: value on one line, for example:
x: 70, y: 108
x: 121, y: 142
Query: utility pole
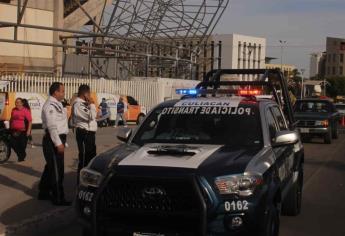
x: 282, y: 44
x: 302, y: 85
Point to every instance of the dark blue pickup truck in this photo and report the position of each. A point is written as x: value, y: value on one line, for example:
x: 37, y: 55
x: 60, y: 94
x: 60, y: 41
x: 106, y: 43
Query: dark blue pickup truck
x: 317, y: 117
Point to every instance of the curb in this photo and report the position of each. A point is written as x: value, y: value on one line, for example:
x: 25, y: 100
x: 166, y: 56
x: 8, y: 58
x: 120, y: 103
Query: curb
x: 45, y: 222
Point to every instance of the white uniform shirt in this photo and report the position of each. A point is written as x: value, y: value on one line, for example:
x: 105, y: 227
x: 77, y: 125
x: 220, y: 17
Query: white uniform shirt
x: 84, y: 115
x: 54, y: 119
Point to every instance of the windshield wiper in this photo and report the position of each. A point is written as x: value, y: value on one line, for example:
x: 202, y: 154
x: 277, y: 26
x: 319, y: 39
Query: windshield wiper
x: 182, y: 150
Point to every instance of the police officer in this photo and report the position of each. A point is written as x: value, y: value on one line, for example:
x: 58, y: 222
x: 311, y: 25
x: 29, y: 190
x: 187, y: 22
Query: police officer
x: 54, y: 122
x: 84, y: 120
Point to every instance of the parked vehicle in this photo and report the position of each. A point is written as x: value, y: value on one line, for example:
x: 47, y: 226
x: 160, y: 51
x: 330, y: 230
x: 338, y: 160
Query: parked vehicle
x: 5, y: 149
x: 340, y: 108
x: 218, y: 161
x: 317, y: 117
x: 133, y: 113
x: 36, y: 101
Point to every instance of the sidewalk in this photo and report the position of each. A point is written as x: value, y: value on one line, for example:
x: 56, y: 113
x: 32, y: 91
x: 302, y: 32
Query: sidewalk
x: 19, y: 207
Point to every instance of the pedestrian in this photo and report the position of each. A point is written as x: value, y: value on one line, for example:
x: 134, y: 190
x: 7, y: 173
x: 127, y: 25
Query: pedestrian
x: 120, y: 114
x: 27, y: 106
x: 20, y: 127
x: 103, y: 106
x: 84, y: 120
x: 54, y: 122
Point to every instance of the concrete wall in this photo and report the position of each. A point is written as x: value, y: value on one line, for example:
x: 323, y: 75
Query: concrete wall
x: 26, y: 55
x: 38, y: 4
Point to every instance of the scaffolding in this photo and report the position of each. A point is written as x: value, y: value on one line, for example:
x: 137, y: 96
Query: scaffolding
x: 151, y: 38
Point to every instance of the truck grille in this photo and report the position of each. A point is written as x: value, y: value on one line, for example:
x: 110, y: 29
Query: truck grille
x: 148, y: 195
x: 306, y: 123
x: 140, y: 202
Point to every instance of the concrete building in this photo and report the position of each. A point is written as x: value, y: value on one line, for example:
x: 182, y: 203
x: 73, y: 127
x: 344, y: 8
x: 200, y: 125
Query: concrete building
x: 335, y: 62
x: 231, y: 51
x: 314, y: 66
x: 17, y: 57
x: 240, y: 51
x: 287, y: 69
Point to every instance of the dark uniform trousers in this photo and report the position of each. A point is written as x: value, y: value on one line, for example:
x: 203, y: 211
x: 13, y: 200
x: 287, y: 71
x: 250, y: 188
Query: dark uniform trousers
x: 86, y: 141
x: 54, y: 170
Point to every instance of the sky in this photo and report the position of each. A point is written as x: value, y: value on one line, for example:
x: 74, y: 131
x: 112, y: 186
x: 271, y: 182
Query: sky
x: 303, y: 24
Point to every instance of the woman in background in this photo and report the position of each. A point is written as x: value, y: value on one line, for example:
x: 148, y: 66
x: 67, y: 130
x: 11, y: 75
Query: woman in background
x: 19, y: 131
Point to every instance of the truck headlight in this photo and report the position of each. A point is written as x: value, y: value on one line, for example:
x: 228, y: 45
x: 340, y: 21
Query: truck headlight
x: 90, y: 177
x: 241, y: 184
x: 323, y: 123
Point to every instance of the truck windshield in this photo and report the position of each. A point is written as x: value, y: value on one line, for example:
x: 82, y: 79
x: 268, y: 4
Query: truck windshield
x: 204, y: 125
x: 313, y: 106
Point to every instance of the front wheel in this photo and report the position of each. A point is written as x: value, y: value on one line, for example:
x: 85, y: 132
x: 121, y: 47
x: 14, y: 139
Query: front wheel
x: 293, y: 202
x: 335, y: 133
x: 5, y: 151
x: 328, y: 137
x: 271, y: 227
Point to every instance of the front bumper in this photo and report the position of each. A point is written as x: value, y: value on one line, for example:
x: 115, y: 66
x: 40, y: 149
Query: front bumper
x: 212, y: 216
x: 313, y: 130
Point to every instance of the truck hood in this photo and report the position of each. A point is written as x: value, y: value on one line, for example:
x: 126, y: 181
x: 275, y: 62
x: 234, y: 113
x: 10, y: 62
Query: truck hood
x: 207, y: 160
x: 311, y: 116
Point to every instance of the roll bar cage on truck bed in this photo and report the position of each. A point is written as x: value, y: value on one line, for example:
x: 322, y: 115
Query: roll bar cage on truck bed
x: 271, y: 79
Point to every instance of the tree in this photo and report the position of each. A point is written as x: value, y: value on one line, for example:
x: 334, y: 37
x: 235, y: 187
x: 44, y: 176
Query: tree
x: 336, y: 86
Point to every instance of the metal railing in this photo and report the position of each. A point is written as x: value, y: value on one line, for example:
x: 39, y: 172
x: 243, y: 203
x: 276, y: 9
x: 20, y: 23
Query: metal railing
x: 146, y: 92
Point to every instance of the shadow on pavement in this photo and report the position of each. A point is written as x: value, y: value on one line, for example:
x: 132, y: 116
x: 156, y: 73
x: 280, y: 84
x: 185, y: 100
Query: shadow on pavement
x: 23, y: 169
x: 33, y: 207
x: 4, y: 180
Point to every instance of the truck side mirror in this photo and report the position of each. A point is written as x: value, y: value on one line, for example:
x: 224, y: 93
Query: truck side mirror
x: 285, y: 137
x: 124, y: 134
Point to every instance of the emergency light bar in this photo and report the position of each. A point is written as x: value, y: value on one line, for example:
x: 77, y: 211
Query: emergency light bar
x: 239, y: 92
x: 187, y: 91
x: 249, y: 92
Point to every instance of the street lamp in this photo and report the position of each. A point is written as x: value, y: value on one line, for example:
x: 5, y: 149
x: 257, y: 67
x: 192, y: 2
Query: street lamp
x: 302, y: 85
x: 282, y: 44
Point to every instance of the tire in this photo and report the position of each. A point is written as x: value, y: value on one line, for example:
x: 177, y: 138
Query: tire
x: 86, y: 232
x: 293, y: 202
x: 5, y: 151
x: 335, y: 133
x: 272, y: 222
x: 328, y: 137
x: 140, y: 118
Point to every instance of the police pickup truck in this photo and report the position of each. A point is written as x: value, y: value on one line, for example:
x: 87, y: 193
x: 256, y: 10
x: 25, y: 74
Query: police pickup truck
x: 219, y: 161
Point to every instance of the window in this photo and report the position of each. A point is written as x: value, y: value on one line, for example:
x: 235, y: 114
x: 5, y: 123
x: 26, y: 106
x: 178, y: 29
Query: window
x: 334, y: 57
x: 164, y: 126
x: 341, y: 57
x: 272, y: 126
x: 341, y: 70
x: 313, y: 106
x: 132, y: 101
x: 279, y: 118
x: 333, y: 70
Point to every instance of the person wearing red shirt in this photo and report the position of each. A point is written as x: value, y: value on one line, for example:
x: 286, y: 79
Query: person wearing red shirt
x: 20, y: 126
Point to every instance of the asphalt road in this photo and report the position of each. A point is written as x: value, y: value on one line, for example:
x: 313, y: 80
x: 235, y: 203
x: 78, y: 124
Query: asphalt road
x: 323, y: 210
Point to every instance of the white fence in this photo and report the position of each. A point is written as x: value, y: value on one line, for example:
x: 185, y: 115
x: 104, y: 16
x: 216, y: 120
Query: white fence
x: 148, y: 93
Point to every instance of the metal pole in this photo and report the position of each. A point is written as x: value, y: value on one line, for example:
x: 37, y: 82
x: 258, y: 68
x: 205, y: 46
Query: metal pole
x: 282, y: 43
x: 302, y: 85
